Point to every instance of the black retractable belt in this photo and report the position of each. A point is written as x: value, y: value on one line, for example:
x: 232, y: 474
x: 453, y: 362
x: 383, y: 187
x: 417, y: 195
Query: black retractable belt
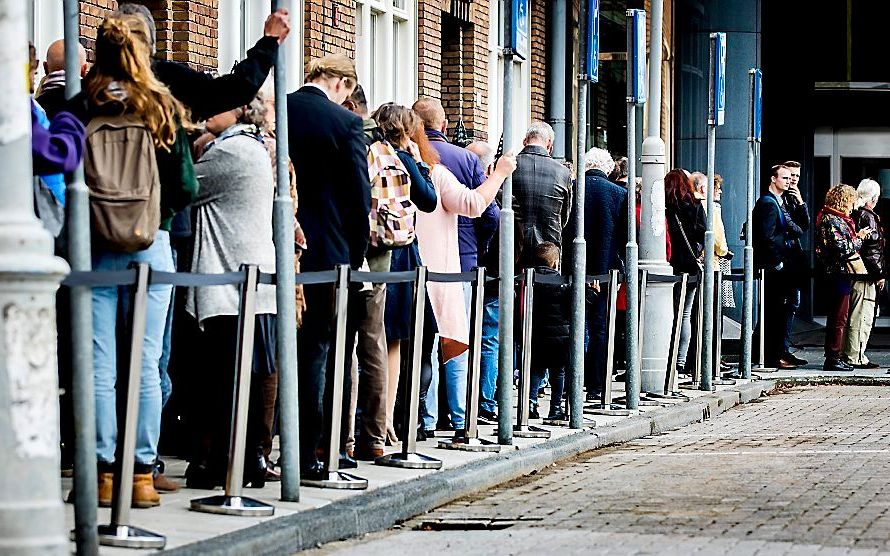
x: 468, y: 440
x: 232, y: 503
x: 526, y: 308
x: 408, y: 458
x: 119, y: 532
x: 607, y: 405
x: 335, y: 478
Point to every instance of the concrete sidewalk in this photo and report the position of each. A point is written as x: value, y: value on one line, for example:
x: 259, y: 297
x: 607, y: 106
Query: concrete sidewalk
x: 398, y: 494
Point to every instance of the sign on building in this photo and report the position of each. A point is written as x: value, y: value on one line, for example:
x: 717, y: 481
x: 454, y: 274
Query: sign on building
x: 756, y: 132
x: 519, y: 28
x: 636, y: 56
x: 592, y: 58
x: 718, y: 79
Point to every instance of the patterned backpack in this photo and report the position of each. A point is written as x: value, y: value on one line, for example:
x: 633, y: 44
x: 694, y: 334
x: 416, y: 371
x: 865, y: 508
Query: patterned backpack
x: 392, y: 212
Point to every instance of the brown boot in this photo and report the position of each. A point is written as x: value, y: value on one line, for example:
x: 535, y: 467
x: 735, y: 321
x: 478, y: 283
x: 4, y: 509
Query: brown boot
x: 106, y: 488
x: 164, y: 484
x: 144, y: 493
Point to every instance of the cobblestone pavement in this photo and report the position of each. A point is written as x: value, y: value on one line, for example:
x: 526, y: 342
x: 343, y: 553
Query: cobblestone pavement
x: 803, y: 472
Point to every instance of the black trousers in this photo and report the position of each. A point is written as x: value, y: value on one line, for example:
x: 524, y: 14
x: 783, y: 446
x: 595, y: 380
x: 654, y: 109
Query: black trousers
x: 314, y: 349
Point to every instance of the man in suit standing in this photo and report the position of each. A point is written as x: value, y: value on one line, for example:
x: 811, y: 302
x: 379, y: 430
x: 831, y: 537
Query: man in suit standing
x: 328, y: 150
x: 543, y: 190
x: 775, y: 233
x: 797, y: 208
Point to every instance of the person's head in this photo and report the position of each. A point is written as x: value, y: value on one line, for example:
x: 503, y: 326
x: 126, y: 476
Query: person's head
x: 32, y: 67
x: 699, y: 184
x: 485, y: 152
x: 55, y: 57
x: 779, y: 179
x: 252, y: 114
x: 793, y: 167
x: 357, y: 103
x: 868, y: 193
x: 396, y: 122
x: 718, y: 186
x: 678, y: 188
x: 432, y: 113
x: 598, y: 159
x: 540, y: 134
x: 335, y: 74
x: 619, y: 173
x: 841, y: 198
x: 129, y: 8
x: 547, y: 254
x: 123, y: 58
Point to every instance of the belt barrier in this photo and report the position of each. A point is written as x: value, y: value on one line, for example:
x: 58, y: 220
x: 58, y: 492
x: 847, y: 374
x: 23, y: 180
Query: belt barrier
x: 606, y: 405
x: 717, y: 378
x: 526, y: 309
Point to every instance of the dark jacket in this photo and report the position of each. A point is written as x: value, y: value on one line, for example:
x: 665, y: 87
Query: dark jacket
x: 327, y: 147
x: 688, y: 218
x: 605, y: 222
x: 872, y: 250
x: 423, y: 192
x: 551, y: 323
x: 775, y: 234
x: 543, y: 189
x: 52, y: 100
x: 473, y: 234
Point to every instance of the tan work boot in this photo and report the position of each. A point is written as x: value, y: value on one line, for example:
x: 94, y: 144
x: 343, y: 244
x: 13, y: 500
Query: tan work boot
x: 144, y: 493
x: 106, y: 489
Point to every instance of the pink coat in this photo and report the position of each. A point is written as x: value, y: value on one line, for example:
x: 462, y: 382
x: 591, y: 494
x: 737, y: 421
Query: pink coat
x: 437, y: 241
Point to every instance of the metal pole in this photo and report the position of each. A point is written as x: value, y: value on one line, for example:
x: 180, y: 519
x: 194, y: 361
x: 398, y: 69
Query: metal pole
x: 605, y: 407
x: 575, y: 375
x: 505, y: 289
x: 632, y: 279
x: 79, y: 256
x: 655, y: 40
x: 31, y: 515
x: 761, y: 329
x: 748, y: 290
x: 285, y: 319
x: 522, y: 429
x: 670, y: 383
x: 707, y: 307
x: 556, y: 85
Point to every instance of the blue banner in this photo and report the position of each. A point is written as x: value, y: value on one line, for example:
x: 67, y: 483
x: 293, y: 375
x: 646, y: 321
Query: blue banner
x: 756, y: 133
x: 718, y: 102
x: 592, y: 60
x: 519, y: 28
x: 636, y: 56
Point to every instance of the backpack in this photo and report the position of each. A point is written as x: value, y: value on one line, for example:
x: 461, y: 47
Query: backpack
x: 121, y: 173
x: 392, y: 212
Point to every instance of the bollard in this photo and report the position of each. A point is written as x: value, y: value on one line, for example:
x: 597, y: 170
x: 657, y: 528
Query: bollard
x: 717, y: 377
x: 119, y: 532
x: 522, y: 428
x: 232, y: 503
x: 338, y: 479
x: 470, y: 441
x: 606, y: 407
x: 646, y: 399
x: 408, y: 458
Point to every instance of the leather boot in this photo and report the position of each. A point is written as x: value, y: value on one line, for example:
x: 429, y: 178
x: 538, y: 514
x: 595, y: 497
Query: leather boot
x: 106, y: 489
x: 144, y: 493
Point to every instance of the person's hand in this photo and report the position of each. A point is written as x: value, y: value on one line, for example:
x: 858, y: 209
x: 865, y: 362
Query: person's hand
x: 796, y: 193
x: 881, y: 284
x: 506, y: 164
x: 864, y: 232
x: 277, y: 25
x: 414, y: 150
x: 595, y: 286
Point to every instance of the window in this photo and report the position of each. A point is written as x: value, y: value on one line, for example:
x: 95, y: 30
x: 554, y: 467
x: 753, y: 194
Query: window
x: 386, y: 50
x: 45, y: 26
x: 521, y: 86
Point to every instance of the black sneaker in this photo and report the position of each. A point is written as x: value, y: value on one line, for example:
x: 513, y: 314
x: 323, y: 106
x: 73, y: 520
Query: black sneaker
x: 486, y: 415
x: 594, y: 397
x: 558, y: 416
x: 791, y: 358
x: 533, y: 412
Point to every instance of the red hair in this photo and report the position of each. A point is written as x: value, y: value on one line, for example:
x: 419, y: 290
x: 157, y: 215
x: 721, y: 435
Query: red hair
x: 678, y: 188
x: 428, y: 153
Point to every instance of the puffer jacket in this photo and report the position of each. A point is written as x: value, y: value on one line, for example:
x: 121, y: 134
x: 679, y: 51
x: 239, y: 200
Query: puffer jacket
x: 872, y: 250
x: 551, y: 323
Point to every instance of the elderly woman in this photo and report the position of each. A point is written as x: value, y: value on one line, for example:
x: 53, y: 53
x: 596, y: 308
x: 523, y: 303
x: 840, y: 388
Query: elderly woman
x: 837, y: 247
x: 864, y: 293
x: 438, y: 242
x: 233, y: 226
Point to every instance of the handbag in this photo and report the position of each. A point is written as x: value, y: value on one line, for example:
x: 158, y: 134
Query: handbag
x: 698, y: 258
x: 855, y: 265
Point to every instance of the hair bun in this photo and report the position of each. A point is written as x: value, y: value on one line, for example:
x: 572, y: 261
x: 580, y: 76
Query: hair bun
x: 115, y: 31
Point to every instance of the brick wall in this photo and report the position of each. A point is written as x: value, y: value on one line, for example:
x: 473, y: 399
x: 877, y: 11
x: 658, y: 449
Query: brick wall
x: 538, y: 11
x: 329, y: 27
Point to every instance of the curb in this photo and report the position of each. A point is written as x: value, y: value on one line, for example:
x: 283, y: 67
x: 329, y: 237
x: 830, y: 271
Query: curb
x: 785, y: 382
x: 384, y: 507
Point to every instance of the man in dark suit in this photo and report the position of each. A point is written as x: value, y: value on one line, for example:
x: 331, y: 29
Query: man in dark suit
x: 800, y: 214
x: 543, y: 190
x: 775, y: 233
x: 328, y: 150
x: 605, y: 231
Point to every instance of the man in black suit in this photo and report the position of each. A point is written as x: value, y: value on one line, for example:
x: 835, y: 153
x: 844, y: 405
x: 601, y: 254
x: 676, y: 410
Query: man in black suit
x: 775, y: 233
x: 797, y: 208
x: 328, y: 150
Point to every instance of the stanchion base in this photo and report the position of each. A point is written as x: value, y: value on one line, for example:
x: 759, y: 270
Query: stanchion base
x: 409, y: 461
x: 763, y: 370
x: 555, y: 422
x: 723, y: 382
x: 337, y: 480
x: 529, y: 431
x: 678, y: 396
x: 443, y: 434
x: 614, y: 410
x: 643, y: 402
x: 231, y: 505
x: 469, y: 444
x: 690, y: 386
x: 127, y: 536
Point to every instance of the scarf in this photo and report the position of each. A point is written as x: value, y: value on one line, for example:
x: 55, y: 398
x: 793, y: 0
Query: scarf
x: 846, y: 218
x: 248, y: 130
x: 52, y: 80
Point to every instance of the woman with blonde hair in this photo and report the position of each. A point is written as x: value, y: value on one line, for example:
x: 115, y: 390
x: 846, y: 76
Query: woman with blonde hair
x: 122, y: 95
x: 865, y: 292
x: 837, y: 247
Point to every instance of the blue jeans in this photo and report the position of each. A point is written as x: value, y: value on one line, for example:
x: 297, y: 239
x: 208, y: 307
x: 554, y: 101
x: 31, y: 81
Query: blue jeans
x: 489, y: 373
x: 105, y: 311
x: 792, y: 304
x: 166, y: 383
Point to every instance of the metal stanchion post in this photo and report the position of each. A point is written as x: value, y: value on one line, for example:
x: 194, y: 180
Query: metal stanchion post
x: 761, y: 327
x: 697, y: 366
x: 717, y: 376
x: 670, y: 383
x: 232, y: 503
x: 335, y: 478
x: 470, y: 440
x: 641, y: 327
x: 119, y: 532
x: 522, y: 428
x: 408, y: 458
x: 606, y: 407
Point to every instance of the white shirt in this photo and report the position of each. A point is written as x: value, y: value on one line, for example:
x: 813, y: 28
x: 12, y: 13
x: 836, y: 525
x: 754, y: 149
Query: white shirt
x: 320, y: 88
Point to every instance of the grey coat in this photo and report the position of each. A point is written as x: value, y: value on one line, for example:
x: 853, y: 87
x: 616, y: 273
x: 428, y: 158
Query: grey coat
x: 233, y: 223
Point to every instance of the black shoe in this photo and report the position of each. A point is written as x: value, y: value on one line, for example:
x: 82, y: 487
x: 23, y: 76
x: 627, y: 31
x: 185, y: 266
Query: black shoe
x: 836, y: 366
x: 558, y: 416
x: 486, y: 415
x: 200, y: 475
x: 533, y: 412
x: 871, y: 365
x: 791, y: 358
x: 347, y: 462
x: 621, y: 377
x: 255, y: 471
x: 594, y: 397
x: 315, y: 472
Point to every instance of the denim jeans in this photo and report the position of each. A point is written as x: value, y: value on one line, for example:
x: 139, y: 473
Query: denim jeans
x: 105, y: 312
x: 431, y: 408
x: 489, y: 373
x: 792, y: 304
x: 456, y: 376
x: 166, y: 383
x: 686, y: 325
